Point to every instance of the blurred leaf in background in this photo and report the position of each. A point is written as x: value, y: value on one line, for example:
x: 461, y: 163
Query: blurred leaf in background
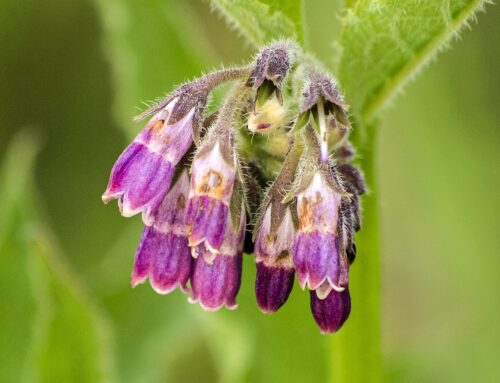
x: 50, y: 330
x: 17, y: 301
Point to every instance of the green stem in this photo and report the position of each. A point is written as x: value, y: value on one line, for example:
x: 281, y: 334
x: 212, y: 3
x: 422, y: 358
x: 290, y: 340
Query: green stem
x: 355, y: 355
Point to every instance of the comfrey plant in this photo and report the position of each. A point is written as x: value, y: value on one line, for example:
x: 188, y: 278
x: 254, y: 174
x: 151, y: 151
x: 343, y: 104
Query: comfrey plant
x: 202, y: 182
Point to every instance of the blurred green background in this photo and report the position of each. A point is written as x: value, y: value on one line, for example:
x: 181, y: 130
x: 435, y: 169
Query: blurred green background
x: 66, y: 307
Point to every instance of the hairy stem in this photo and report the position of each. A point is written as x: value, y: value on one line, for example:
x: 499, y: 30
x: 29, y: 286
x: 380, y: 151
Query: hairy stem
x: 221, y: 76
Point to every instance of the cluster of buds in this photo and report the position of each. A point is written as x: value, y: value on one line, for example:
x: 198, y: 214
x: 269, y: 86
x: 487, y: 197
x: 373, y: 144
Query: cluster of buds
x: 199, y: 179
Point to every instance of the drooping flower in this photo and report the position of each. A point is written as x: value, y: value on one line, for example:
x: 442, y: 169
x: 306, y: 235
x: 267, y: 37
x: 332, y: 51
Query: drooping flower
x: 215, y: 280
x: 141, y: 176
x: 164, y: 254
x: 319, y: 256
x: 212, y: 181
x: 274, y: 236
x: 273, y: 258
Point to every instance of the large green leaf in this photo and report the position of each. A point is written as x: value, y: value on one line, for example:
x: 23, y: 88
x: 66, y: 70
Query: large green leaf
x: 262, y: 21
x: 385, y: 43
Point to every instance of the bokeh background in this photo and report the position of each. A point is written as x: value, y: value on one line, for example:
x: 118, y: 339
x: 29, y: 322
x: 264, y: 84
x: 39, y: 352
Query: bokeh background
x: 69, y: 87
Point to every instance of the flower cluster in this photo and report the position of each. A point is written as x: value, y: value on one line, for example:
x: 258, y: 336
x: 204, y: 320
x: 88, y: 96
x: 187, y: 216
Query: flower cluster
x: 200, y: 181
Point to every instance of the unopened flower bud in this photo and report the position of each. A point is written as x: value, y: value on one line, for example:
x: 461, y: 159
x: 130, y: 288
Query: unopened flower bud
x: 273, y: 284
x: 321, y: 98
x: 272, y: 64
x: 354, y: 183
x: 164, y: 254
x: 320, y: 86
x: 331, y: 312
x: 344, y: 153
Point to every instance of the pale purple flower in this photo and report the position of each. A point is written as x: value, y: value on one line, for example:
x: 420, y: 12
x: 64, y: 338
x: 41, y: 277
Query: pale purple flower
x: 141, y: 176
x: 212, y: 181
x: 319, y: 256
x: 164, y: 254
x: 215, y: 280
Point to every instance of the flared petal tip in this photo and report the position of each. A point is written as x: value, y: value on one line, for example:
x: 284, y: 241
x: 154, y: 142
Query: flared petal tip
x: 322, y: 287
x: 126, y: 210
x: 148, y: 218
x: 162, y: 289
x: 213, y: 307
x: 137, y: 280
x: 108, y: 196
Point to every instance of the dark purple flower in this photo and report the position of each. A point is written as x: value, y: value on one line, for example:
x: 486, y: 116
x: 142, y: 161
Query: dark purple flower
x: 331, y: 312
x: 273, y: 257
x: 212, y: 182
x: 273, y: 284
x: 318, y: 252
x: 164, y: 254
x: 141, y: 176
x: 215, y: 280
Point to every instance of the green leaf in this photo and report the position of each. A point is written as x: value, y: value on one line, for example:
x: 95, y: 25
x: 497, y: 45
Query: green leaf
x: 71, y: 341
x: 17, y: 304
x: 293, y: 9
x: 262, y: 21
x: 386, y: 43
x: 50, y: 331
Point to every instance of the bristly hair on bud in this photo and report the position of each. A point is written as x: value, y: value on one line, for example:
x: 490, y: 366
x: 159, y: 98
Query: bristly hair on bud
x: 269, y: 72
x: 272, y: 64
x: 275, y: 153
